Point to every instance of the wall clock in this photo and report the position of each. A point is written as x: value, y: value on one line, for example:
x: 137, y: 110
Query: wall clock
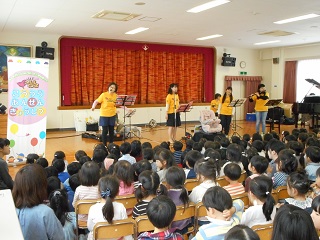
x: 243, y: 64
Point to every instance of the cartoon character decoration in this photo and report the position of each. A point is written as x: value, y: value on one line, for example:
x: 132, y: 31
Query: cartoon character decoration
x: 209, y: 122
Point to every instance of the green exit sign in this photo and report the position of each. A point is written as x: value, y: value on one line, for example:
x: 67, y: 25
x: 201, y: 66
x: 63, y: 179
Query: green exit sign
x: 243, y: 73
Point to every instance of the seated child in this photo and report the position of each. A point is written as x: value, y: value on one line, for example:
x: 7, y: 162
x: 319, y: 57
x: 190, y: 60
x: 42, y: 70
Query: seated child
x: 177, y: 146
x: 257, y: 166
x: 286, y: 164
x: 138, y: 168
x: 262, y: 209
x: 125, y: 149
x: 60, y: 166
x: 316, y: 185
x: 297, y: 187
x: 313, y: 162
x: 232, y: 173
x: 32, y: 158
x: 216, y: 200
x: 148, y: 154
x: 189, y: 144
x: 161, y: 211
x: 241, y: 232
x: 191, y: 158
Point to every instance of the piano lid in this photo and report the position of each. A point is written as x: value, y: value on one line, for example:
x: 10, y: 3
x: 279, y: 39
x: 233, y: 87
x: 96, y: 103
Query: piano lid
x: 312, y: 81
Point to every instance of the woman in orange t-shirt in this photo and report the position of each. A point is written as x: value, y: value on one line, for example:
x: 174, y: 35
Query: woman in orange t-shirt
x: 108, y: 111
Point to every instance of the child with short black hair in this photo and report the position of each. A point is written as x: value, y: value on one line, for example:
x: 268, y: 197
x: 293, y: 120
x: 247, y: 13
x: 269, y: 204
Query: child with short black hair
x: 189, y: 144
x: 84, y: 159
x: 74, y: 182
x: 146, y: 145
x: 125, y: 149
x: 138, y: 168
x: 191, y: 158
x: 177, y: 146
x: 161, y: 211
x: 61, y: 155
x: 217, y: 200
x: 233, y: 154
x: 43, y: 162
x: 257, y: 166
x: 148, y: 155
x: 232, y: 173
x: 164, y: 159
x: 197, y: 146
x: 313, y: 162
x: 78, y: 154
x: 259, y: 145
x: 59, y: 164
x: 32, y: 158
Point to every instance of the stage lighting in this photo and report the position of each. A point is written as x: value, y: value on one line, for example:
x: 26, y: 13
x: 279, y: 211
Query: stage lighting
x: 3, y: 109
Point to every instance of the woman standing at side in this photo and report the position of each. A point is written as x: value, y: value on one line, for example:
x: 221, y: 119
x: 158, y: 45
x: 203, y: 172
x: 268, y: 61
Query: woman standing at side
x: 225, y: 112
x: 108, y: 112
x: 261, y: 97
x: 172, y: 116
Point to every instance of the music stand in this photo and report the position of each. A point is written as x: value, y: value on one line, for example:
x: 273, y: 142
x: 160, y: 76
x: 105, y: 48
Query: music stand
x: 273, y: 103
x: 236, y: 103
x: 185, y: 107
x: 129, y: 114
x: 123, y: 101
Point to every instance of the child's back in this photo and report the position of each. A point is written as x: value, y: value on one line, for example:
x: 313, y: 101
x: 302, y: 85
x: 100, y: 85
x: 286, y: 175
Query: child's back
x: 232, y: 174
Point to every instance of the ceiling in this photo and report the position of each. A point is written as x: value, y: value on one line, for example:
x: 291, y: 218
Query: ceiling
x: 240, y: 22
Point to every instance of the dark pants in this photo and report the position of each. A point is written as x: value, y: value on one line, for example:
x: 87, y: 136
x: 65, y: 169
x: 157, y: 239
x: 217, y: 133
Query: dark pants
x: 105, y: 130
x: 225, y: 122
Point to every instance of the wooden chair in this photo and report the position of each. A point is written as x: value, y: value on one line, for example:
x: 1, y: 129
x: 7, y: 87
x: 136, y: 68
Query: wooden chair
x: 264, y: 231
x: 282, y: 193
x: 243, y: 177
x: 201, y: 211
x: 185, y: 213
x: 143, y: 224
x: 244, y: 197
x: 191, y: 184
x: 117, y: 229
x: 82, y: 207
x: 275, y: 195
x: 129, y: 201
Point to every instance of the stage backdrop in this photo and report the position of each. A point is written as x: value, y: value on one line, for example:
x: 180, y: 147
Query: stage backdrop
x: 27, y: 105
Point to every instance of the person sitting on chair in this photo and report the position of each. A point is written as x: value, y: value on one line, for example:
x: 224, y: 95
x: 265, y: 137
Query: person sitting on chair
x: 209, y: 122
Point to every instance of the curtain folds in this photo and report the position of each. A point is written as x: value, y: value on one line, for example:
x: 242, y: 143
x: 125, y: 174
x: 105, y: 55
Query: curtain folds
x: 290, y: 82
x: 137, y: 72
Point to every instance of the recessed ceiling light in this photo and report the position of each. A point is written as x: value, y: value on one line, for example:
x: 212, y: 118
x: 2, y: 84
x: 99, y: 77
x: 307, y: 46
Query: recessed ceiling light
x: 207, y: 6
x: 137, y: 30
x: 44, y: 22
x: 304, y: 17
x: 209, y: 37
x: 262, y: 43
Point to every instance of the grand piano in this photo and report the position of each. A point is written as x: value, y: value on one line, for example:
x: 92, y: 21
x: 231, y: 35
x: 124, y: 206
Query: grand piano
x: 310, y: 105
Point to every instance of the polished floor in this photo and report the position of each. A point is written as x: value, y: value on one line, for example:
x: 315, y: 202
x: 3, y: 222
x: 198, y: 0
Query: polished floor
x: 71, y: 141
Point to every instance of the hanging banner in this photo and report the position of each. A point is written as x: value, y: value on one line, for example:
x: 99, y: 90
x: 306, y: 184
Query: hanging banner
x: 27, y: 105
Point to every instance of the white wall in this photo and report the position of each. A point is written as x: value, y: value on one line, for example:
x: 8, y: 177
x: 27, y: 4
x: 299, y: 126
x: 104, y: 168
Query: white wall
x: 258, y: 63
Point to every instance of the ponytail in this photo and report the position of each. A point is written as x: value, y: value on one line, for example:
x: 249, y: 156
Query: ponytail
x: 149, y: 182
x: 59, y: 204
x: 268, y: 206
x: 107, y: 210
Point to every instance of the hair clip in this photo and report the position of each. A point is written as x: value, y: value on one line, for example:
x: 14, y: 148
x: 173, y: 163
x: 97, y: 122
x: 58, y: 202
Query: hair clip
x: 267, y: 192
x: 106, y: 193
x: 139, y: 184
x: 56, y: 193
x: 206, y: 158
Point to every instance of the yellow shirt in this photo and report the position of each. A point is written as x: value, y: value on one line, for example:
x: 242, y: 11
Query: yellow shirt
x: 173, y: 101
x: 214, y: 105
x: 108, y: 104
x: 259, y: 107
x: 225, y: 110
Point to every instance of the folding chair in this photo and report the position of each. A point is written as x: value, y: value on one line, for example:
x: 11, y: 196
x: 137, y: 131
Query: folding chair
x: 282, y: 193
x: 185, y: 213
x: 201, y: 211
x: 143, y: 224
x: 264, y: 231
x: 129, y: 201
x: 190, y: 184
x: 244, y: 197
x: 117, y: 229
x: 222, y: 181
x: 82, y: 207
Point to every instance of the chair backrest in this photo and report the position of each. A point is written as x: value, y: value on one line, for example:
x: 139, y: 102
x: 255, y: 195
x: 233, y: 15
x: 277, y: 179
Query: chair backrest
x: 200, y: 212
x: 143, y: 224
x: 243, y: 177
x: 264, y: 231
x: 244, y: 197
x: 185, y: 213
x: 129, y: 201
x: 282, y: 192
x: 190, y: 184
x: 117, y: 229
x: 82, y: 207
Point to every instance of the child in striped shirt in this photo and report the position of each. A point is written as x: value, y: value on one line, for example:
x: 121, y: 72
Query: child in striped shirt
x: 232, y: 172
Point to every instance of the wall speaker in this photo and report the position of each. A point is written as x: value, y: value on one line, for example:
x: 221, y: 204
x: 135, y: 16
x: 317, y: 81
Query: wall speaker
x: 45, y: 52
x: 275, y: 60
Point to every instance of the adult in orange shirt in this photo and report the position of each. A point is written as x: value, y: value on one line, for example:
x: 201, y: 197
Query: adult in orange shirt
x: 261, y: 97
x: 225, y: 112
x: 108, y: 112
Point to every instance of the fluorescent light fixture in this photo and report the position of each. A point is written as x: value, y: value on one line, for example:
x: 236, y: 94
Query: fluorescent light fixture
x: 262, y: 43
x: 137, y: 30
x: 304, y: 17
x: 209, y: 37
x: 207, y: 6
x: 44, y: 22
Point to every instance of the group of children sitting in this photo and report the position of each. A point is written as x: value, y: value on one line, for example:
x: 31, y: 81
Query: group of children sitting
x: 157, y: 176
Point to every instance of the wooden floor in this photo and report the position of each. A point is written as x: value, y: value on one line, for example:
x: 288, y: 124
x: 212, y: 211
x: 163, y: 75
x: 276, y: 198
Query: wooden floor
x: 71, y: 141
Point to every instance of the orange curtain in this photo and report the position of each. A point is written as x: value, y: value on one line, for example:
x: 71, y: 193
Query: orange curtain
x: 143, y: 73
x: 290, y: 82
